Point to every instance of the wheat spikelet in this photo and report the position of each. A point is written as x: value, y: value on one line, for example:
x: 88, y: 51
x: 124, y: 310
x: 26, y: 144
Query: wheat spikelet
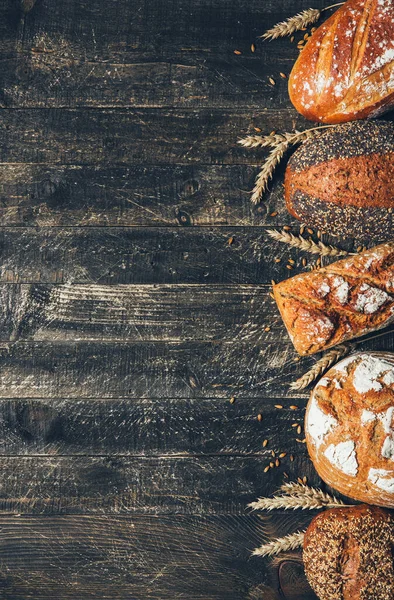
x: 262, y: 141
x: 297, y: 241
x: 324, y: 363
x: 300, y: 21
x: 267, y: 171
x: 301, y: 490
x: 297, y: 495
x: 289, y: 542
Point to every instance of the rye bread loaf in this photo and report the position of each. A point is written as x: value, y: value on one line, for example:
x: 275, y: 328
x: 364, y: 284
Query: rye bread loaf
x: 342, y: 181
x: 346, y: 70
x: 347, y: 554
x: 347, y: 299
x: 349, y: 427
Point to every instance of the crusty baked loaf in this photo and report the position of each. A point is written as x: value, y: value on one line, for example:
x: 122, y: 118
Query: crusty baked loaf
x: 347, y: 299
x: 342, y: 181
x: 347, y: 554
x: 346, y: 70
x: 349, y: 427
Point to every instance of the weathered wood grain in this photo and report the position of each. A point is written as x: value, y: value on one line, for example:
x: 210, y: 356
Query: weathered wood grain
x: 147, y: 195
x: 158, y: 54
x: 155, y: 369
x: 204, y: 426
x: 155, y: 485
x: 136, y: 136
x: 144, y: 255
x: 144, y: 558
x: 140, y: 313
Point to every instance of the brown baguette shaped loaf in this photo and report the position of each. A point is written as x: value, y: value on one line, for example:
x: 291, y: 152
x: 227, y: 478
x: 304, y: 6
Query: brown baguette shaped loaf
x: 342, y: 181
x: 349, y: 427
x: 346, y: 70
x: 345, y: 300
x: 347, y: 554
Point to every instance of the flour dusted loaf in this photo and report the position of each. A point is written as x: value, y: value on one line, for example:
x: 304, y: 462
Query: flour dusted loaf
x: 342, y: 181
x: 346, y: 70
x: 349, y: 427
x: 347, y: 299
x: 347, y: 554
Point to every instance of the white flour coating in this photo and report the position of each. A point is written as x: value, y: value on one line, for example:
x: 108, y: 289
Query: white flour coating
x: 367, y: 416
x: 324, y: 289
x: 320, y: 328
x: 370, y: 299
x: 324, y: 381
x: 319, y: 423
x: 343, y: 456
x: 337, y: 384
x: 342, y: 367
x: 341, y: 290
x: 388, y: 448
x: 379, y: 478
x: 388, y: 378
x: 367, y: 373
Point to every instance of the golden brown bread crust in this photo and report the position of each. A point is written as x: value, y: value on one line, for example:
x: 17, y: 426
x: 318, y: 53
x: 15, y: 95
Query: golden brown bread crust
x: 347, y: 554
x: 345, y: 71
x: 342, y: 180
x: 347, y: 299
x: 349, y: 427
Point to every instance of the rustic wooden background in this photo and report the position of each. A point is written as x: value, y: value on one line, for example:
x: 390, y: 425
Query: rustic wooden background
x: 134, y: 283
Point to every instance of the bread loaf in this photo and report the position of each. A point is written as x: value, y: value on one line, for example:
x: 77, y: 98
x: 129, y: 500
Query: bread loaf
x: 347, y: 299
x: 342, y: 181
x: 349, y: 427
x: 346, y: 70
x: 347, y: 554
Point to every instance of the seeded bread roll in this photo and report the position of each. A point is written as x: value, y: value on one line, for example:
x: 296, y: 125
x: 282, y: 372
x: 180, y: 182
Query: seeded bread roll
x: 346, y: 70
x: 349, y: 427
x: 342, y: 181
x: 347, y: 299
x: 347, y: 554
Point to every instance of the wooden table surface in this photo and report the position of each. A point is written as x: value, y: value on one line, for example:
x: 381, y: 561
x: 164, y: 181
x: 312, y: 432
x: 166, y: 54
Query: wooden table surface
x: 134, y: 283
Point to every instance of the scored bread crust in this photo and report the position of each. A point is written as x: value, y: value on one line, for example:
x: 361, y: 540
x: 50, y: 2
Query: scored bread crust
x: 347, y: 554
x: 345, y: 71
x: 349, y: 427
x: 347, y: 299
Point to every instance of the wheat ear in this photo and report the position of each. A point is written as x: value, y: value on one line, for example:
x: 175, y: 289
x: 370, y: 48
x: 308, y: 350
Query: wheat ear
x: 297, y: 495
x: 289, y: 542
x: 279, y: 143
x: 324, y: 363
x: 308, y: 245
x: 300, y: 21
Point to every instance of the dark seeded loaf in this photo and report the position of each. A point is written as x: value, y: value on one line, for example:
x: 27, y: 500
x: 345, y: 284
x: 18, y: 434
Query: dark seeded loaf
x: 342, y: 182
x: 345, y: 300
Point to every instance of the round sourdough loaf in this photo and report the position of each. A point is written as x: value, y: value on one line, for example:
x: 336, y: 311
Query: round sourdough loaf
x: 342, y: 181
x: 347, y: 554
x: 349, y: 427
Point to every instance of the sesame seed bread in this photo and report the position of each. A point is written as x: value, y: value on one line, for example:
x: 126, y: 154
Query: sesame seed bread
x: 345, y: 300
x: 342, y: 181
x: 347, y: 554
x: 349, y: 427
x: 346, y: 70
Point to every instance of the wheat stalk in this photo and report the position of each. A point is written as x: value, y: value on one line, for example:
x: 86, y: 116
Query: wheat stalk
x: 289, y: 542
x: 279, y: 143
x: 321, y: 366
x: 297, y: 495
x: 300, y: 21
x: 308, y: 245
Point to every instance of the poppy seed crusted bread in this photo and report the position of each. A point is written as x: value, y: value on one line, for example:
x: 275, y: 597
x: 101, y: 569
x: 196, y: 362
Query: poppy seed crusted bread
x: 346, y: 70
x: 347, y: 554
x: 349, y: 427
x: 342, y: 181
x: 345, y: 300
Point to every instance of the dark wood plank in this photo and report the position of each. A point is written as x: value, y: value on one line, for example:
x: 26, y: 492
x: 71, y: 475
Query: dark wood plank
x: 139, y: 313
x: 144, y: 557
x: 141, y: 427
x: 144, y: 255
x: 130, y: 137
x: 158, y: 54
x: 155, y: 369
x: 182, y: 485
x: 148, y: 195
